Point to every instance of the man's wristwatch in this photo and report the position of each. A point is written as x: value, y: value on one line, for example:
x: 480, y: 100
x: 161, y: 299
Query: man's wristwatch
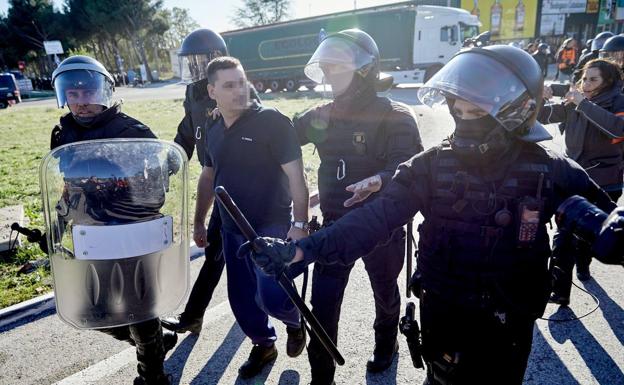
x: 301, y: 225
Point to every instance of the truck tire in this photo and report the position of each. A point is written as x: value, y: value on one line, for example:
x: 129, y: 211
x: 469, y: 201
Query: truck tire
x: 276, y: 86
x: 260, y: 86
x: 292, y: 85
x: 3, y: 105
x: 431, y: 71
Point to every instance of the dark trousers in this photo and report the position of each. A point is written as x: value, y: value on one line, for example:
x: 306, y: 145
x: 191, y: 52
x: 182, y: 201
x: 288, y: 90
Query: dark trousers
x: 147, y: 337
x: 383, y: 266
x: 210, y: 273
x: 466, y: 346
x: 254, y: 295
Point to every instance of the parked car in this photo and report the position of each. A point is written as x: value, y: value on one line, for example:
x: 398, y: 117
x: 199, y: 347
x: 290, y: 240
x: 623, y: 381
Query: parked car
x: 9, y: 90
x: 24, y: 83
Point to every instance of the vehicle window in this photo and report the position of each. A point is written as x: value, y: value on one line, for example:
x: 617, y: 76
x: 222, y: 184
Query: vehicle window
x: 467, y: 31
x: 6, y: 82
x: 444, y: 34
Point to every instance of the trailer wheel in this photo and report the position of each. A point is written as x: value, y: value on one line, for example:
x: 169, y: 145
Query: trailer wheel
x: 292, y: 85
x: 260, y: 86
x: 431, y: 71
x: 276, y: 86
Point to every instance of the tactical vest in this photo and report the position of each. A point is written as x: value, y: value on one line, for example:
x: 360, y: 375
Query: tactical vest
x: 201, y: 106
x: 466, y: 253
x: 352, y: 149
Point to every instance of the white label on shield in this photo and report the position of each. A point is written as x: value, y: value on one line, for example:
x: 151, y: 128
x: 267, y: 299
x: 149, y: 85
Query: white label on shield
x: 122, y: 241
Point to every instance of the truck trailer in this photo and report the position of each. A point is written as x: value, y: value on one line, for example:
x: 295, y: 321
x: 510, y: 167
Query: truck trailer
x: 414, y: 42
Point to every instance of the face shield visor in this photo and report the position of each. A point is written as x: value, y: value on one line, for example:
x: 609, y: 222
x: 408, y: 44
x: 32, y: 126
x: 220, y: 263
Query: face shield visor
x: 335, y: 62
x: 616, y: 56
x: 484, y: 82
x: 83, y: 87
x: 198, y: 64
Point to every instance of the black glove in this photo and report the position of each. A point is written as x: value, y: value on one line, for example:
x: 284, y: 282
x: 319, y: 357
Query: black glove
x: 608, y: 246
x: 271, y: 255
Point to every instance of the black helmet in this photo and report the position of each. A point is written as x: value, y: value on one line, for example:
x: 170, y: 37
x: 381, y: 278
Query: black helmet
x: 504, y: 81
x: 543, y: 47
x: 200, y: 47
x: 613, y: 49
x: 86, y: 74
x: 600, y: 39
x: 352, y: 49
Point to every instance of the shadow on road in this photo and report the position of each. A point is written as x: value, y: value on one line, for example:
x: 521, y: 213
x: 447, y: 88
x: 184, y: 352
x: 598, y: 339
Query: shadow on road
x: 598, y: 361
x: 544, y: 361
x: 289, y: 377
x: 611, y: 311
x: 212, y: 372
x: 176, y: 361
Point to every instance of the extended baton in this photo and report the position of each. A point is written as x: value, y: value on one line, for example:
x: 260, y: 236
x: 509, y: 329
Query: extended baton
x: 283, y: 280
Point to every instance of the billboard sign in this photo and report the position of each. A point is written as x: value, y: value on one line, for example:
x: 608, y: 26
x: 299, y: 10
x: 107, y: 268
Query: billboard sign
x: 505, y: 19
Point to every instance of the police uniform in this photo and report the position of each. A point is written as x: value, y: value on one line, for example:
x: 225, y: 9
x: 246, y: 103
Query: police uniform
x: 480, y: 288
x: 357, y: 138
x: 486, y: 195
x: 112, y: 123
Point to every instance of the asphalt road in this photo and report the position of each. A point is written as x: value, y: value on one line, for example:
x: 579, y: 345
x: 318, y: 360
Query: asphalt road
x: 587, y: 351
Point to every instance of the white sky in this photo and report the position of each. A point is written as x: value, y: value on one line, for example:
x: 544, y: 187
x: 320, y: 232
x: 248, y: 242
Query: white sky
x: 216, y: 14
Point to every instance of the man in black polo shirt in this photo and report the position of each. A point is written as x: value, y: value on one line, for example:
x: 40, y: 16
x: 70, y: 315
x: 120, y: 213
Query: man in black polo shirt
x: 254, y: 153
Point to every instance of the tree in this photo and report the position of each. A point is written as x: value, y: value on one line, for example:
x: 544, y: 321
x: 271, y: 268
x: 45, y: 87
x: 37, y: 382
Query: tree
x: 260, y: 12
x: 180, y: 25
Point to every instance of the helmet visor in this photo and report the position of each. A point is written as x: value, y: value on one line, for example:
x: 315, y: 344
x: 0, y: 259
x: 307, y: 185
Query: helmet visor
x: 484, y: 82
x: 334, y: 57
x: 616, y: 56
x: 198, y: 64
x: 81, y: 87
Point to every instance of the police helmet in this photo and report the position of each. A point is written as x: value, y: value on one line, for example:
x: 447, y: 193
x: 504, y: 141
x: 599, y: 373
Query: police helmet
x: 82, y: 80
x: 613, y: 49
x: 199, y: 48
x: 502, y: 80
x: 543, y: 47
x: 351, y: 51
x: 600, y: 39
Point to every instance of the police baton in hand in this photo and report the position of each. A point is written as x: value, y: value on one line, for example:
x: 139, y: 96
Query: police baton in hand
x: 287, y: 285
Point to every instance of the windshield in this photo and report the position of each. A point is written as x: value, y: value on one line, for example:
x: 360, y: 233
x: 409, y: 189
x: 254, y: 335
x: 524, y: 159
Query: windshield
x: 467, y: 31
x: 6, y: 82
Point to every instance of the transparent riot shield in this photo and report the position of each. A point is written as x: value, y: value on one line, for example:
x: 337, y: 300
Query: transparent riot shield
x: 116, y: 215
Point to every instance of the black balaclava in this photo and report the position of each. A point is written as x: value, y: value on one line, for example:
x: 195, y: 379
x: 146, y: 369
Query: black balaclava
x: 480, y: 142
x: 360, y: 91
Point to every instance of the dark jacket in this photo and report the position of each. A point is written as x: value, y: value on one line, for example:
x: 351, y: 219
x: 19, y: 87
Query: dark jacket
x: 589, y: 131
x: 542, y: 59
x: 197, y: 109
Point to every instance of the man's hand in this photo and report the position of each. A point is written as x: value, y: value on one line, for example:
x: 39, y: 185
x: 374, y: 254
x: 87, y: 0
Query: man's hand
x: 363, y: 189
x: 295, y: 233
x: 271, y: 255
x: 199, y: 235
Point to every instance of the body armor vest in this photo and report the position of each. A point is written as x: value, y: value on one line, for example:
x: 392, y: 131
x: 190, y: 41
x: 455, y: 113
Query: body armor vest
x: 201, y: 106
x: 469, y: 248
x: 352, y: 149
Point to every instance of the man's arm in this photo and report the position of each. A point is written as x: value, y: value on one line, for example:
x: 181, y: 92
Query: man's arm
x: 205, y: 198
x: 300, y: 196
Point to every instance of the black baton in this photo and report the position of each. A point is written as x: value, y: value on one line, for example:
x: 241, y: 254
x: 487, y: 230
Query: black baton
x: 408, y: 270
x: 283, y: 280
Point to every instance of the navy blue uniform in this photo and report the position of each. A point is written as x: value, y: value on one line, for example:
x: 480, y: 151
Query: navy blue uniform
x: 191, y: 135
x: 480, y: 288
x: 369, y: 136
x: 247, y: 159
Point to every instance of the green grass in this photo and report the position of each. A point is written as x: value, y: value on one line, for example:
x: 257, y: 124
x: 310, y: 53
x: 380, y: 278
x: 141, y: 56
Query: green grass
x: 25, y: 141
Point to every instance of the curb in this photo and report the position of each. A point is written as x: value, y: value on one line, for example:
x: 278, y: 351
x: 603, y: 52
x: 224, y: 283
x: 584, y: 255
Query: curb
x: 19, y: 313
x: 34, y: 308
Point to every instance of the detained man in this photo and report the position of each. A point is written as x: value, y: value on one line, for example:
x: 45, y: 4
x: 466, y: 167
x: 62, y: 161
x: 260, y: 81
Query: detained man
x: 253, y: 151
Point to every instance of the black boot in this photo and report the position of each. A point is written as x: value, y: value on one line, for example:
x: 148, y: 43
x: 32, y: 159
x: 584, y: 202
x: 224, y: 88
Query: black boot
x: 181, y: 323
x: 258, y: 358
x: 164, y: 379
x: 382, y: 357
x: 296, y: 340
x: 170, y: 339
x: 150, y: 351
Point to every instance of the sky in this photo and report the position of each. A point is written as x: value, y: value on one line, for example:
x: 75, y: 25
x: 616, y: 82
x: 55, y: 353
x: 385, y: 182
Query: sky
x: 216, y: 14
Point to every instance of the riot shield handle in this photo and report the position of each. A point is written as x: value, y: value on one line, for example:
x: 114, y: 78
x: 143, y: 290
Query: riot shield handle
x: 287, y: 285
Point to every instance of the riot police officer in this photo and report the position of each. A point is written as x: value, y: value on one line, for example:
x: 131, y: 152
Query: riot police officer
x: 486, y: 195
x: 199, y: 48
x: 83, y: 85
x: 361, y: 139
x: 593, y: 53
x: 613, y: 49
